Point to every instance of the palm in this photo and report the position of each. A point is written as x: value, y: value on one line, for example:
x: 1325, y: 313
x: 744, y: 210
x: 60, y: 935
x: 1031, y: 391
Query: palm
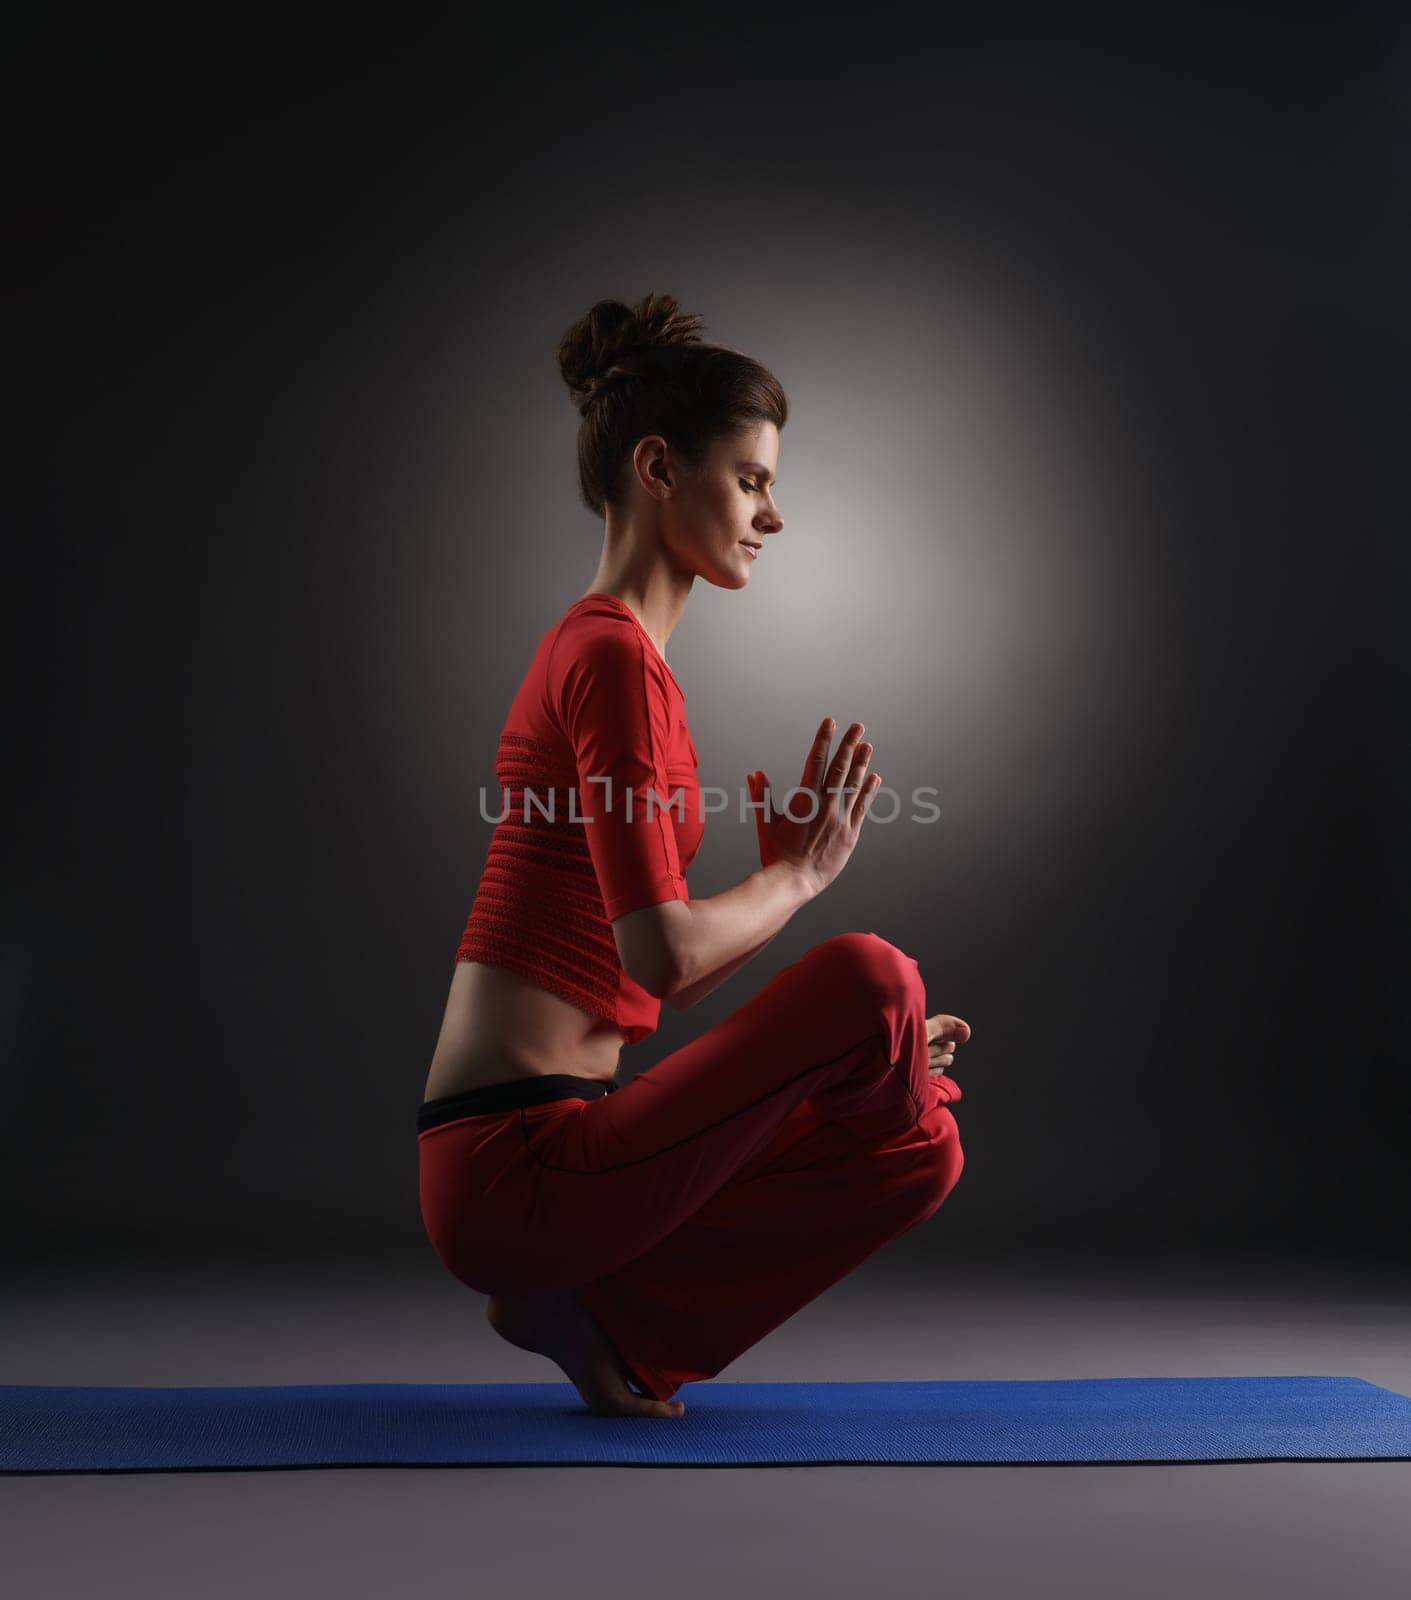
x: 781, y: 835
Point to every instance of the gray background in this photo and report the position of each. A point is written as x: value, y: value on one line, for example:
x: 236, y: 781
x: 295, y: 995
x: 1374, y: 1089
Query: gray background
x: 1092, y: 328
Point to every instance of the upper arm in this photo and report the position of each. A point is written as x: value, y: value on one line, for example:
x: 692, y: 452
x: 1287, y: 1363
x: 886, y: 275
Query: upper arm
x: 613, y: 704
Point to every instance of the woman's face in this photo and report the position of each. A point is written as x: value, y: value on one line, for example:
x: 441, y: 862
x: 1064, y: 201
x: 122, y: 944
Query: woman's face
x: 728, y: 503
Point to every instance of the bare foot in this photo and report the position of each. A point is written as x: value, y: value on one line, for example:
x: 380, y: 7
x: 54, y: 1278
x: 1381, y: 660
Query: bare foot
x: 560, y: 1327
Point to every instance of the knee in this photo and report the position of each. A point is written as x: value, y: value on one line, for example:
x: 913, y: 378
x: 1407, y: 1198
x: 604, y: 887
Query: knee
x: 867, y: 964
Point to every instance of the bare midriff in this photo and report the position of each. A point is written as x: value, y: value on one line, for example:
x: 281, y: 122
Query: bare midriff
x: 498, y: 1025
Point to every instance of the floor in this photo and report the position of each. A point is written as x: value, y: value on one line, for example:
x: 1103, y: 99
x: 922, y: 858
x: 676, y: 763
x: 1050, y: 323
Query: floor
x: 1247, y: 1531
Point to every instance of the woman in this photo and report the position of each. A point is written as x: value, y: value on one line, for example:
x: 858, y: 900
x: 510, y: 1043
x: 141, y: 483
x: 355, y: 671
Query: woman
x: 645, y: 1237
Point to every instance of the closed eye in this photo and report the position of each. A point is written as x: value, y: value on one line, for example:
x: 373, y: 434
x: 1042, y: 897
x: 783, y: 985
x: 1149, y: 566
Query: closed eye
x: 746, y: 484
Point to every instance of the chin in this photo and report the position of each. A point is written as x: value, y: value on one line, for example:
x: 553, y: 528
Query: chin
x: 725, y: 580
x: 731, y: 574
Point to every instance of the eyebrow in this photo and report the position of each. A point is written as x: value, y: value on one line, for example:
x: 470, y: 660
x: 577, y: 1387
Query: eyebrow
x: 759, y: 467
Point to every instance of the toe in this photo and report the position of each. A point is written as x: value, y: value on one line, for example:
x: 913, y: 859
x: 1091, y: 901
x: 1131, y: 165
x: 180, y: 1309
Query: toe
x: 649, y: 1406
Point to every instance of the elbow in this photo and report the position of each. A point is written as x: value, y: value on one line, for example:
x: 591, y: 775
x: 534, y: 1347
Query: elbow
x: 657, y: 983
x: 649, y: 943
x: 660, y: 976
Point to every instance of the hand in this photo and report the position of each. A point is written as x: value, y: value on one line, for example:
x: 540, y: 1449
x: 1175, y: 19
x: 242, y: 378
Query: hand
x: 819, y: 848
x: 943, y: 1034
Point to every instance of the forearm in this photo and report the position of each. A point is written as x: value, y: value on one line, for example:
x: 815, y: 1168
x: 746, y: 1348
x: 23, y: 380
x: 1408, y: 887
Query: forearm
x: 682, y: 999
x: 725, y: 931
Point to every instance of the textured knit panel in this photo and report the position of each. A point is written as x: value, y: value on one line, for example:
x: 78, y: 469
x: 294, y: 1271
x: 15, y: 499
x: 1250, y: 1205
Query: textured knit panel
x: 569, y: 855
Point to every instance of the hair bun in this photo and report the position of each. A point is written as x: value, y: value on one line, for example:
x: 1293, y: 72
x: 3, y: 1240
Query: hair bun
x: 659, y: 322
x: 614, y: 342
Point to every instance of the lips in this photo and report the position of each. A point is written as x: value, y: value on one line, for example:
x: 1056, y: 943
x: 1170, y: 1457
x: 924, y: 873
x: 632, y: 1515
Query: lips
x: 752, y: 548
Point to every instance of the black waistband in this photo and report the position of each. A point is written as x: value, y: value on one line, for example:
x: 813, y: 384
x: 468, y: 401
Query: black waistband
x: 508, y: 1095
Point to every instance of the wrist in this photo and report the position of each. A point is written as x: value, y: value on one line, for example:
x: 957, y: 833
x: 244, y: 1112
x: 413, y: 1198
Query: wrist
x: 801, y: 879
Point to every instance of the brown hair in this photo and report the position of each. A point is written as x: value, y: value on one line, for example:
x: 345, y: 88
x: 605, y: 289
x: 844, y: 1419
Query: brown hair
x: 643, y: 369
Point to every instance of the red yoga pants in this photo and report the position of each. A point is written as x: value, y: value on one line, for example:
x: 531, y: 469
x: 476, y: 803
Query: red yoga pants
x: 720, y: 1190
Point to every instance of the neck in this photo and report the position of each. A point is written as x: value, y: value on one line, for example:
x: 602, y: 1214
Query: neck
x: 655, y: 592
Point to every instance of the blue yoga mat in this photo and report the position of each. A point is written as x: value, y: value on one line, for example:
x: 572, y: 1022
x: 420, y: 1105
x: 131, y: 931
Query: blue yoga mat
x: 1115, y: 1420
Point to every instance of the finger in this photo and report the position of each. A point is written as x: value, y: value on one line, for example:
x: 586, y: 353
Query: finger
x: 817, y: 758
x: 857, y: 772
x: 862, y: 805
x: 842, y: 761
x: 761, y: 792
x: 862, y: 785
x: 854, y: 781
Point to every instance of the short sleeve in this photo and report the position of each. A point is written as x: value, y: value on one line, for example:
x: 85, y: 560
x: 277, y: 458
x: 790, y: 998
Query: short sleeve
x: 613, y: 705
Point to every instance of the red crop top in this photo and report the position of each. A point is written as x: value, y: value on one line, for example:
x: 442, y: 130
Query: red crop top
x: 598, y: 703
